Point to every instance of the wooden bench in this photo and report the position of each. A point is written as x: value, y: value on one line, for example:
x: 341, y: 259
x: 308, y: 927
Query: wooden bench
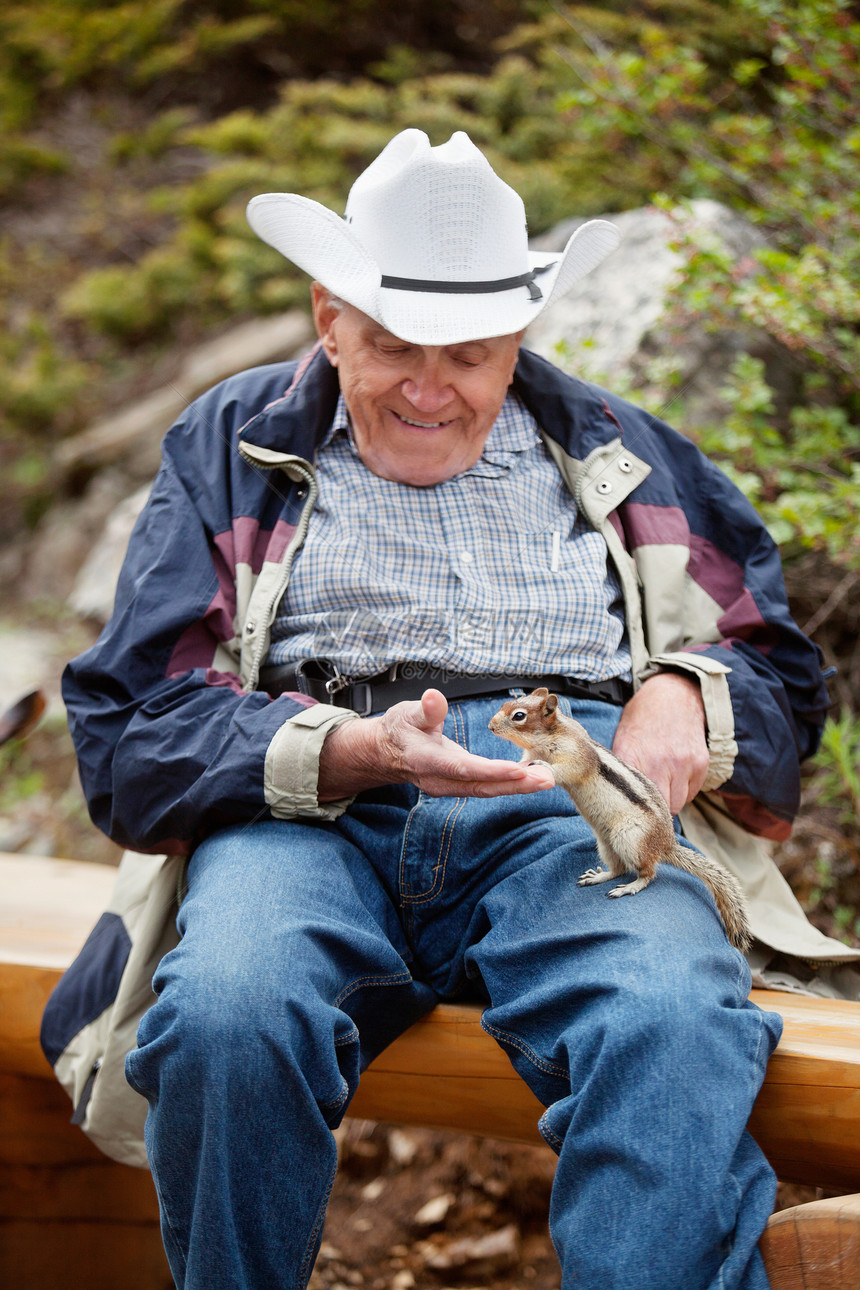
x: 64, y: 1205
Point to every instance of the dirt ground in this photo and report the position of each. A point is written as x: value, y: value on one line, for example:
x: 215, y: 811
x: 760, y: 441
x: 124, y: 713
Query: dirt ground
x: 444, y: 1211
x: 414, y: 1207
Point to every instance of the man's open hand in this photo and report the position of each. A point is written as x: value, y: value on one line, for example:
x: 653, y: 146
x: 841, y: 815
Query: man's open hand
x: 406, y: 745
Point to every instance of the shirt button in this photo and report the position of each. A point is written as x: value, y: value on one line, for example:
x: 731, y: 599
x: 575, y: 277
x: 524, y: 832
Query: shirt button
x: 466, y: 557
x: 626, y: 465
x: 604, y: 486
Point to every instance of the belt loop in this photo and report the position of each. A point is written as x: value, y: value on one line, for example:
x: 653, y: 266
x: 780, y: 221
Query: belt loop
x: 360, y: 696
x: 302, y: 683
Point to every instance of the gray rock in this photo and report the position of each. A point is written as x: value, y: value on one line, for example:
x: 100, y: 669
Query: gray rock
x: 93, y: 593
x: 609, y: 327
x: 478, y: 1256
x: 67, y: 535
x: 434, y: 1210
x: 124, y: 450
x: 15, y: 833
x: 138, y: 429
x: 32, y: 658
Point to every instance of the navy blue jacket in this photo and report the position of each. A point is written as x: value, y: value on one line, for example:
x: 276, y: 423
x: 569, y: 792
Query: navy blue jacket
x: 171, y: 736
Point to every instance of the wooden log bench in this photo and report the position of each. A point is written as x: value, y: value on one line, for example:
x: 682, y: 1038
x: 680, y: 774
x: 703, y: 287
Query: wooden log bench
x: 70, y: 1217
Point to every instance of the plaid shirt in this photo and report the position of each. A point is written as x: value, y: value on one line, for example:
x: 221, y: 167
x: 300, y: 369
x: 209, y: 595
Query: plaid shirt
x: 491, y: 571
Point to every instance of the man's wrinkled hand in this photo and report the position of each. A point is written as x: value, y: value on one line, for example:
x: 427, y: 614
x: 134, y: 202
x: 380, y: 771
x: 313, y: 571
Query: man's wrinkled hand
x: 406, y: 744
x: 662, y: 732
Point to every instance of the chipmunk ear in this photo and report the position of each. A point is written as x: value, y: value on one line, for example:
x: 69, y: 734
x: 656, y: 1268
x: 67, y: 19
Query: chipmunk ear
x: 540, y: 693
x: 551, y: 703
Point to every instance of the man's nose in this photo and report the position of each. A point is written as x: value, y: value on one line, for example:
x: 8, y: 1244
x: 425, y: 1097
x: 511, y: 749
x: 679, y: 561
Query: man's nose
x: 427, y: 391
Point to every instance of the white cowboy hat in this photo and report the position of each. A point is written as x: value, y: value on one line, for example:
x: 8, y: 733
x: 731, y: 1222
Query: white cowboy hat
x: 433, y: 245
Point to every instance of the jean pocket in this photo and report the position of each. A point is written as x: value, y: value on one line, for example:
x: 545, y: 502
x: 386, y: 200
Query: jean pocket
x: 428, y: 843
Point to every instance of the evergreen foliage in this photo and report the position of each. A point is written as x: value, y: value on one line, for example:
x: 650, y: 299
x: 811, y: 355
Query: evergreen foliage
x: 132, y: 134
x: 782, y: 145
x: 588, y: 109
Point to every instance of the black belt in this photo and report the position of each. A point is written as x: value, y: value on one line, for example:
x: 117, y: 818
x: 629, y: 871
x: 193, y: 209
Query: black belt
x: 320, y: 679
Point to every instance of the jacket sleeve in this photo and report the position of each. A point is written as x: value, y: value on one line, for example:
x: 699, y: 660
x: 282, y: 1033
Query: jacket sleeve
x: 708, y: 580
x: 169, y: 752
x: 751, y: 650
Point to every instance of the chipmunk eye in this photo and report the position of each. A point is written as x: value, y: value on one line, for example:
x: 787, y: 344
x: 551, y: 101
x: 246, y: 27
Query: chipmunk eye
x: 519, y: 715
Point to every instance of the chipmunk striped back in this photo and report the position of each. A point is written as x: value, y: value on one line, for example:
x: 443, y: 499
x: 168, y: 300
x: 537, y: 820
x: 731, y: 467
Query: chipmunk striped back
x: 630, y: 817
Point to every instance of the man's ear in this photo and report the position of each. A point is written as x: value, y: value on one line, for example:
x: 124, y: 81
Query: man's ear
x: 518, y: 337
x: 325, y: 315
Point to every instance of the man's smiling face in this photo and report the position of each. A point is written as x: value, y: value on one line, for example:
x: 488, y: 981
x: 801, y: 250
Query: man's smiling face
x: 420, y: 414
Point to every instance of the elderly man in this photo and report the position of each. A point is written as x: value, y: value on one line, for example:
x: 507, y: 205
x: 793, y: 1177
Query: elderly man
x: 344, y: 567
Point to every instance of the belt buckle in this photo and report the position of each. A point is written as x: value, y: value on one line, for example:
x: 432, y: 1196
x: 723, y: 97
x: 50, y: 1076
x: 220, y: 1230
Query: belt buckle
x: 337, y: 681
x: 578, y: 688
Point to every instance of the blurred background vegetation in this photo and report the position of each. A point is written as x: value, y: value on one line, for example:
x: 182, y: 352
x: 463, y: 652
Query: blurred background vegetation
x: 133, y: 133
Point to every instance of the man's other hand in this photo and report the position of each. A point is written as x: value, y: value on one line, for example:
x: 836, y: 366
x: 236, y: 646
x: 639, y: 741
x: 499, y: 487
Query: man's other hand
x: 662, y: 733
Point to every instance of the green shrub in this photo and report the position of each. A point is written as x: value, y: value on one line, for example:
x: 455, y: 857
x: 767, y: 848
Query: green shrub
x: 804, y: 479
x: 166, y: 131
x: 591, y: 108
x: 838, y: 765
x: 782, y: 144
x: 229, y: 52
x: 21, y: 159
x: 137, y: 303
x: 38, y: 383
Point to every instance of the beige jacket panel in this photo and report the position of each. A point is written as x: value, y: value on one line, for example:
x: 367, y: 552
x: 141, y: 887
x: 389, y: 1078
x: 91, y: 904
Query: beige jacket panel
x: 776, y: 917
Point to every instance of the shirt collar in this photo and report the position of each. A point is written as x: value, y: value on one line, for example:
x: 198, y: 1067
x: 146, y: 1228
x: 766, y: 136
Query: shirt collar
x: 514, y: 430
x: 339, y: 425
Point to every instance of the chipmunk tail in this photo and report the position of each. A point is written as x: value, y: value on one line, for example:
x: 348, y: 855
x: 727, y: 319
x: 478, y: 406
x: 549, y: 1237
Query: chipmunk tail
x: 725, y: 889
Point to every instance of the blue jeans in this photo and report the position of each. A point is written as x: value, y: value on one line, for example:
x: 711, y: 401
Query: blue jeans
x: 307, y: 947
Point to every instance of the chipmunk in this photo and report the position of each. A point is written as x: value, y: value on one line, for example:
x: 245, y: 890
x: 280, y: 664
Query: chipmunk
x: 627, y: 812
